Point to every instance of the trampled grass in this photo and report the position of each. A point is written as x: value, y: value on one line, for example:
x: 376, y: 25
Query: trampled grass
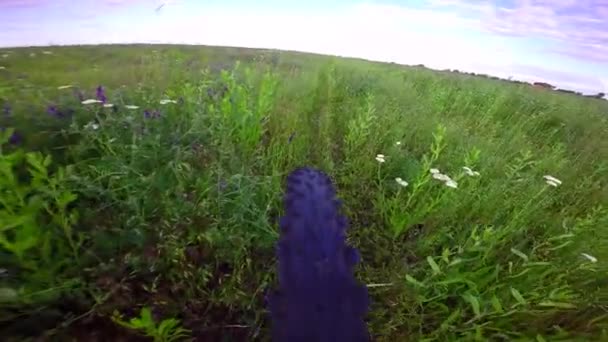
x: 162, y: 218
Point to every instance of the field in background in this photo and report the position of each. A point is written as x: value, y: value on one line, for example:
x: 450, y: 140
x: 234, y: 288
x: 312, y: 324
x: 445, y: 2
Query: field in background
x: 168, y: 212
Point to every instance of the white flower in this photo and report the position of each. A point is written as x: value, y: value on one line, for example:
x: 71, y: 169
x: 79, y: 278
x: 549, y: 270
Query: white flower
x: 32, y: 54
x: 398, y: 143
x: 552, y: 181
x: 131, y: 107
x: 165, y: 101
x: 108, y: 105
x: 5, y: 55
x: 47, y: 52
x: 470, y: 172
x: 451, y: 183
x: 401, y: 182
x: 434, y: 171
x: 65, y: 87
x: 380, y: 158
x: 90, y: 101
x: 92, y: 125
x: 2, y: 67
x: 441, y: 177
x: 589, y: 257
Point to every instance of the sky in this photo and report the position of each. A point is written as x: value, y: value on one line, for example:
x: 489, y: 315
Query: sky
x: 562, y: 42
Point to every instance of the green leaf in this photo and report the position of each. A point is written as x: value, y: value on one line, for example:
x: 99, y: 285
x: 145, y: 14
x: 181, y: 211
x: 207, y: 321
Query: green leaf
x: 448, y: 321
x: 413, y: 281
x: 433, y: 264
x: 519, y: 254
x: 474, y: 301
x: 557, y: 305
x: 518, y: 297
x: 539, y: 338
x: 496, y: 304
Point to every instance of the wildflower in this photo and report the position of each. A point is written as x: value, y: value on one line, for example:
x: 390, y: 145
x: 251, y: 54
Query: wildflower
x: 401, y: 182
x: 165, y: 101
x: 32, y: 54
x: 589, y: 257
x: 92, y: 125
x: 434, y: 171
x: 380, y: 158
x: 108, y: 105
x: 153, y: 114
x: 451, y: 183
x: 90, y: 101
x: 318, y: 299
x: 15, y: 138
x: 554, y: 182
x: 2, y: 67
x: 398, y: 143
x: 470, y: 172
x: 101, y: 94
x: 65, y: 87
x: 441, y: 177
x: 5, y: 55
x: 54, y: 111
x: 47, y: 52
x: 131, y: 107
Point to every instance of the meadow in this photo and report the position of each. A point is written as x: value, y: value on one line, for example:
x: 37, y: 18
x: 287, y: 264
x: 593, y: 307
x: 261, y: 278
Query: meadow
x: 479, y: 207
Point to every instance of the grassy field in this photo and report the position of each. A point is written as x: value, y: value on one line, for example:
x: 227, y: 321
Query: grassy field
x: 161, y: 220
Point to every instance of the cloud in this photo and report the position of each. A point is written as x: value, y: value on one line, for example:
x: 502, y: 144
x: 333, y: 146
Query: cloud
x: 579, y: 28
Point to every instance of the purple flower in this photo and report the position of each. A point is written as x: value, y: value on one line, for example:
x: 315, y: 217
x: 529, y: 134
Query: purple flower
x: 54, y: 111
x: 318, y: 297
x: 15, y: 138
x: 101, y: 95
x: 151, y: 114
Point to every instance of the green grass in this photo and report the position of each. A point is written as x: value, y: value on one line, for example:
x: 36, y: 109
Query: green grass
x: 176, y: 216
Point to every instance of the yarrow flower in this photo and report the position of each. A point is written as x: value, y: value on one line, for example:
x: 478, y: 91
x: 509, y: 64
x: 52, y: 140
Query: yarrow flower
x: 589, y: 257
x: 401, y: 182
x: 5, y: 55
x: 92, y: 125
x: 447, y: 181
x: 380, y: 158
x: 131, y: 107
x: 90, y: 101
x: 32, y: 54
x: 165, y: 101
x: 2, y: 67
x: 65, y: 87
x: 108, y: 105
x: 47, y: 52
x: 470, y: 172
x: 554, y: 182
x: 318, y: 298
x: 398, y: 143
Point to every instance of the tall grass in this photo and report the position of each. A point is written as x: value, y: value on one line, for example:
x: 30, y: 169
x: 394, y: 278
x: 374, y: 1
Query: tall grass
x: 114, y: 212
